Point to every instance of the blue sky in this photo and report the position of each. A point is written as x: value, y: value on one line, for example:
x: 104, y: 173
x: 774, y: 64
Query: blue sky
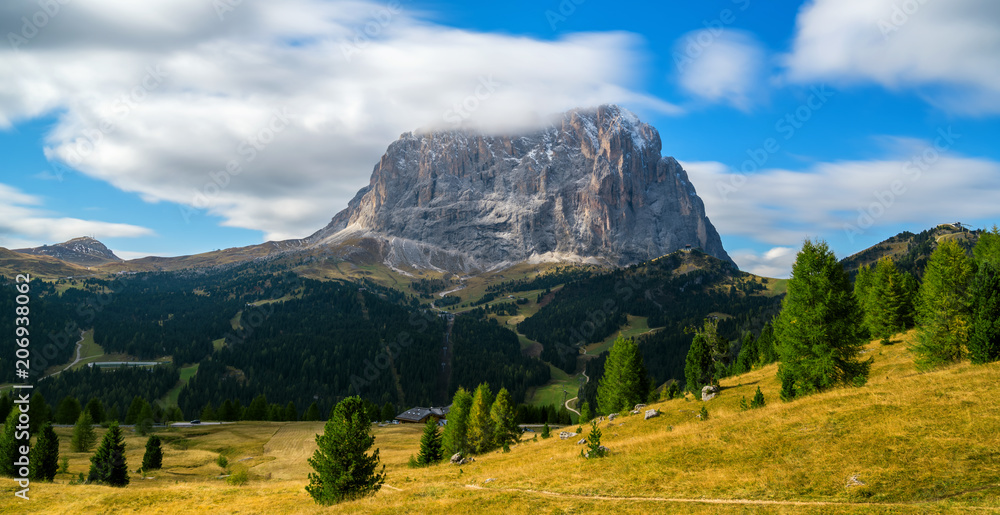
x: 183, y: 126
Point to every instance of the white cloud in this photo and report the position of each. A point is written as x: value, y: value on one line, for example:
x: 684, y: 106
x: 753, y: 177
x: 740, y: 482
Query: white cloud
x: 721, y: 67
x: 849, y: 198
x: 24, y: 224
x: 949, y: 50
x: 776, y: 262
x: 158, y: 99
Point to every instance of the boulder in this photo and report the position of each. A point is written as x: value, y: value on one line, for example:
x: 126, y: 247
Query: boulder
x: 566, y: 434
x: 638, y: 407
x: 709, y: 392
x: 582, y: 441
x: 652, y: 413
x: 604, y: 450
x: 612, y: 416
x: 456, y: 458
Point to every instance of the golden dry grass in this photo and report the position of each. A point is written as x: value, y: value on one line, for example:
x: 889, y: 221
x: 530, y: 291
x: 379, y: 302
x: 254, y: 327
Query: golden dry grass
x: 920, y: 443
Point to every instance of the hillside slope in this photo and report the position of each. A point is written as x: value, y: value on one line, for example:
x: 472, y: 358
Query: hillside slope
x: 906, y: 442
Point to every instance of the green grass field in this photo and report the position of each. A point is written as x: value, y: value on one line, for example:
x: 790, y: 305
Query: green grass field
x: 186, y: 374
x: 634, y: 327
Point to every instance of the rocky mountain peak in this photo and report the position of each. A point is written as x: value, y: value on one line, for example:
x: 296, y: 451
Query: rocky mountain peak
x: 590, y: 187
x: 84, y: 251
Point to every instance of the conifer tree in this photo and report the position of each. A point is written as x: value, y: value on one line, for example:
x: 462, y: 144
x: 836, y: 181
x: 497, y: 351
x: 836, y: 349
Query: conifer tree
x: 863, y: 283
x: 545, y: 430
x: 44, y: 455
x: 83, y: 433
x: 152, y: 459
x: 984, y: 342
x: 818, y: 330
x: 312, y: 413
x: 96, y: 410
x: 943, y: 312
x: 343, y: 469
x: 887, y: 305
x: 699, y: 369
x: 748, y: 356
x: 8, y: 445
x: 207, y: 413
x: 388, y: 411
x: 480, y: 425
x: 766, y: 345
x: 595, y: 450
x: 291, y: 412
x: 68, y: 410
x: 625, y: 382
x: 39, y: 412
x: 505, y: 430
x: 257, y: 410
x: 585, y: 414
x: 144, y: 422
x: 134, y: 410
x: 456, y: 431
x: 430, y: 444
x: 108, y: 465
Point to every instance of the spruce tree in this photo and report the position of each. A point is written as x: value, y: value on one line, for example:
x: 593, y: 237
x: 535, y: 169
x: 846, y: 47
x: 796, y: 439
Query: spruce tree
x: 887, y: 303
x: 108, y: 465
x: 546, y: 431
x: 480, y: 425
x: 505, y: 430
x: 152, y: 459
x: 984, y: 342
x: 456, y: 431
x: 96, y: 410
x: 818, y: 331
x: 312, y: 413
x: 943, y: 311
x: 83, y: 433
x: 863, y: 283
x: 625, y: 382
x: 8, y: 445
x: 207, y: 413
x: 594, y: 443
x: 291, y: 412
x: 68, y: 410
x: 585, y: 414
x: 766, y: 345
x: 343, y: 469
x: 257, y: 410
x: 44, y: 456
x: 134, y: 410
x: 748, y: 355
x: 144, y: 422
x: 430, y: 444
x: 699, y: 368
x: 388, y: 411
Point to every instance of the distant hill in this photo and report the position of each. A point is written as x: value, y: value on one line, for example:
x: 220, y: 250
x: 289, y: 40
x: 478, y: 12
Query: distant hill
x: 78, y: 251
x: 911, y: 251
x: 13, y: 263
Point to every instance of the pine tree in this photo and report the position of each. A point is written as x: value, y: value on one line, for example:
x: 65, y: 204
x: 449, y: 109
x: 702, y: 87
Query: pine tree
x: 44, y: 456
x: 108, y: 464
x: 595, y: 450
x: 291, y: 413
x: 8, y: 445
x: 987, y: 249
x: 748, y: 356
x: 257, y: 410
x: 134, y: 410
x: 818, y: 331
x: 943, y: 312
x: 480, y: 425
x: 96, y: 410
x: 546, y: 432
x: 585, y: 414
x: 625, y: 382
x: 83, y: 433
x: 887, y: 304
x: 430, y: 444
x: 388, y: 411
x: 312, y: 413
x: 672, y: 390
x: 766, y: 345
x: 343, y: 468
x: 152, y: 459
x: 758, y: 400
x: 863, y: 283
x: 698, y: 366
x: 456, y: 431
x: 39, y: 412
x: 505, y: 430
x: 144, y: 422
x: 207, y: 413
x: 984, y: 343
x: 68, y: 410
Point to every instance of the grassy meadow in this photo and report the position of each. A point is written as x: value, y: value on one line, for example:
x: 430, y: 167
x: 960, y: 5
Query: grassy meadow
x: 907, y: 442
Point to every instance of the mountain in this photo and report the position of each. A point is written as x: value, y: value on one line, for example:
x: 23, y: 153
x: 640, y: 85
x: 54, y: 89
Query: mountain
x: 912, y: 251
x: 592, y: 187
x: 78, y: 251
x: 13, y: 263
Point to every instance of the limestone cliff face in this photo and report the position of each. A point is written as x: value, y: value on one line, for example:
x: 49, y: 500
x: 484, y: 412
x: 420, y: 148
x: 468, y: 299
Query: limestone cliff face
x: 592, y: 187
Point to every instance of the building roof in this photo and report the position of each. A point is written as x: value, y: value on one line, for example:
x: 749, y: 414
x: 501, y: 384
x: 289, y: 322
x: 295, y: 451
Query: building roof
x: 417, y: 414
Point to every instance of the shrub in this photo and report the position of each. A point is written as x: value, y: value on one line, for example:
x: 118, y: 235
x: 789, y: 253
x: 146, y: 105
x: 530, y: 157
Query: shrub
x: 238, y: 478
x: 704, y: 414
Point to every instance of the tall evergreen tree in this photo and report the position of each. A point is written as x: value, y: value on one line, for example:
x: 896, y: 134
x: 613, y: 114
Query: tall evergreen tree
x: 987, y: 249
x: 505, y: 430
x: 863, y: 284
x: 984, y: 342
x: 698, y: 366
x: 943, y: 311
x: 68, y: 410
x: 625, y: 382
x: 39, y: 411
x: 343, y: 469
x: 208, y: 413
x: 152, y: 459
x: 749, y: 355
x: 456, y: 431
x: 134, y: 410
x: 312, y: 413
x: 291, y: 412
x: 257, y: 410
x: 887, y: 305
x: 430, y: 444
x: 144, y: 422
x: 585, y: 413
x: 819, y: 329
x: 83, y: 433
x: 108, y: 465
x: 480, y: 425
x: 8, y: 445
x: 767, y: 346
x: 44, y: 455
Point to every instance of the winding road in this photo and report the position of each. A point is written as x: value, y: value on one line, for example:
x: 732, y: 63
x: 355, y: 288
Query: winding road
x: 79, y: 346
